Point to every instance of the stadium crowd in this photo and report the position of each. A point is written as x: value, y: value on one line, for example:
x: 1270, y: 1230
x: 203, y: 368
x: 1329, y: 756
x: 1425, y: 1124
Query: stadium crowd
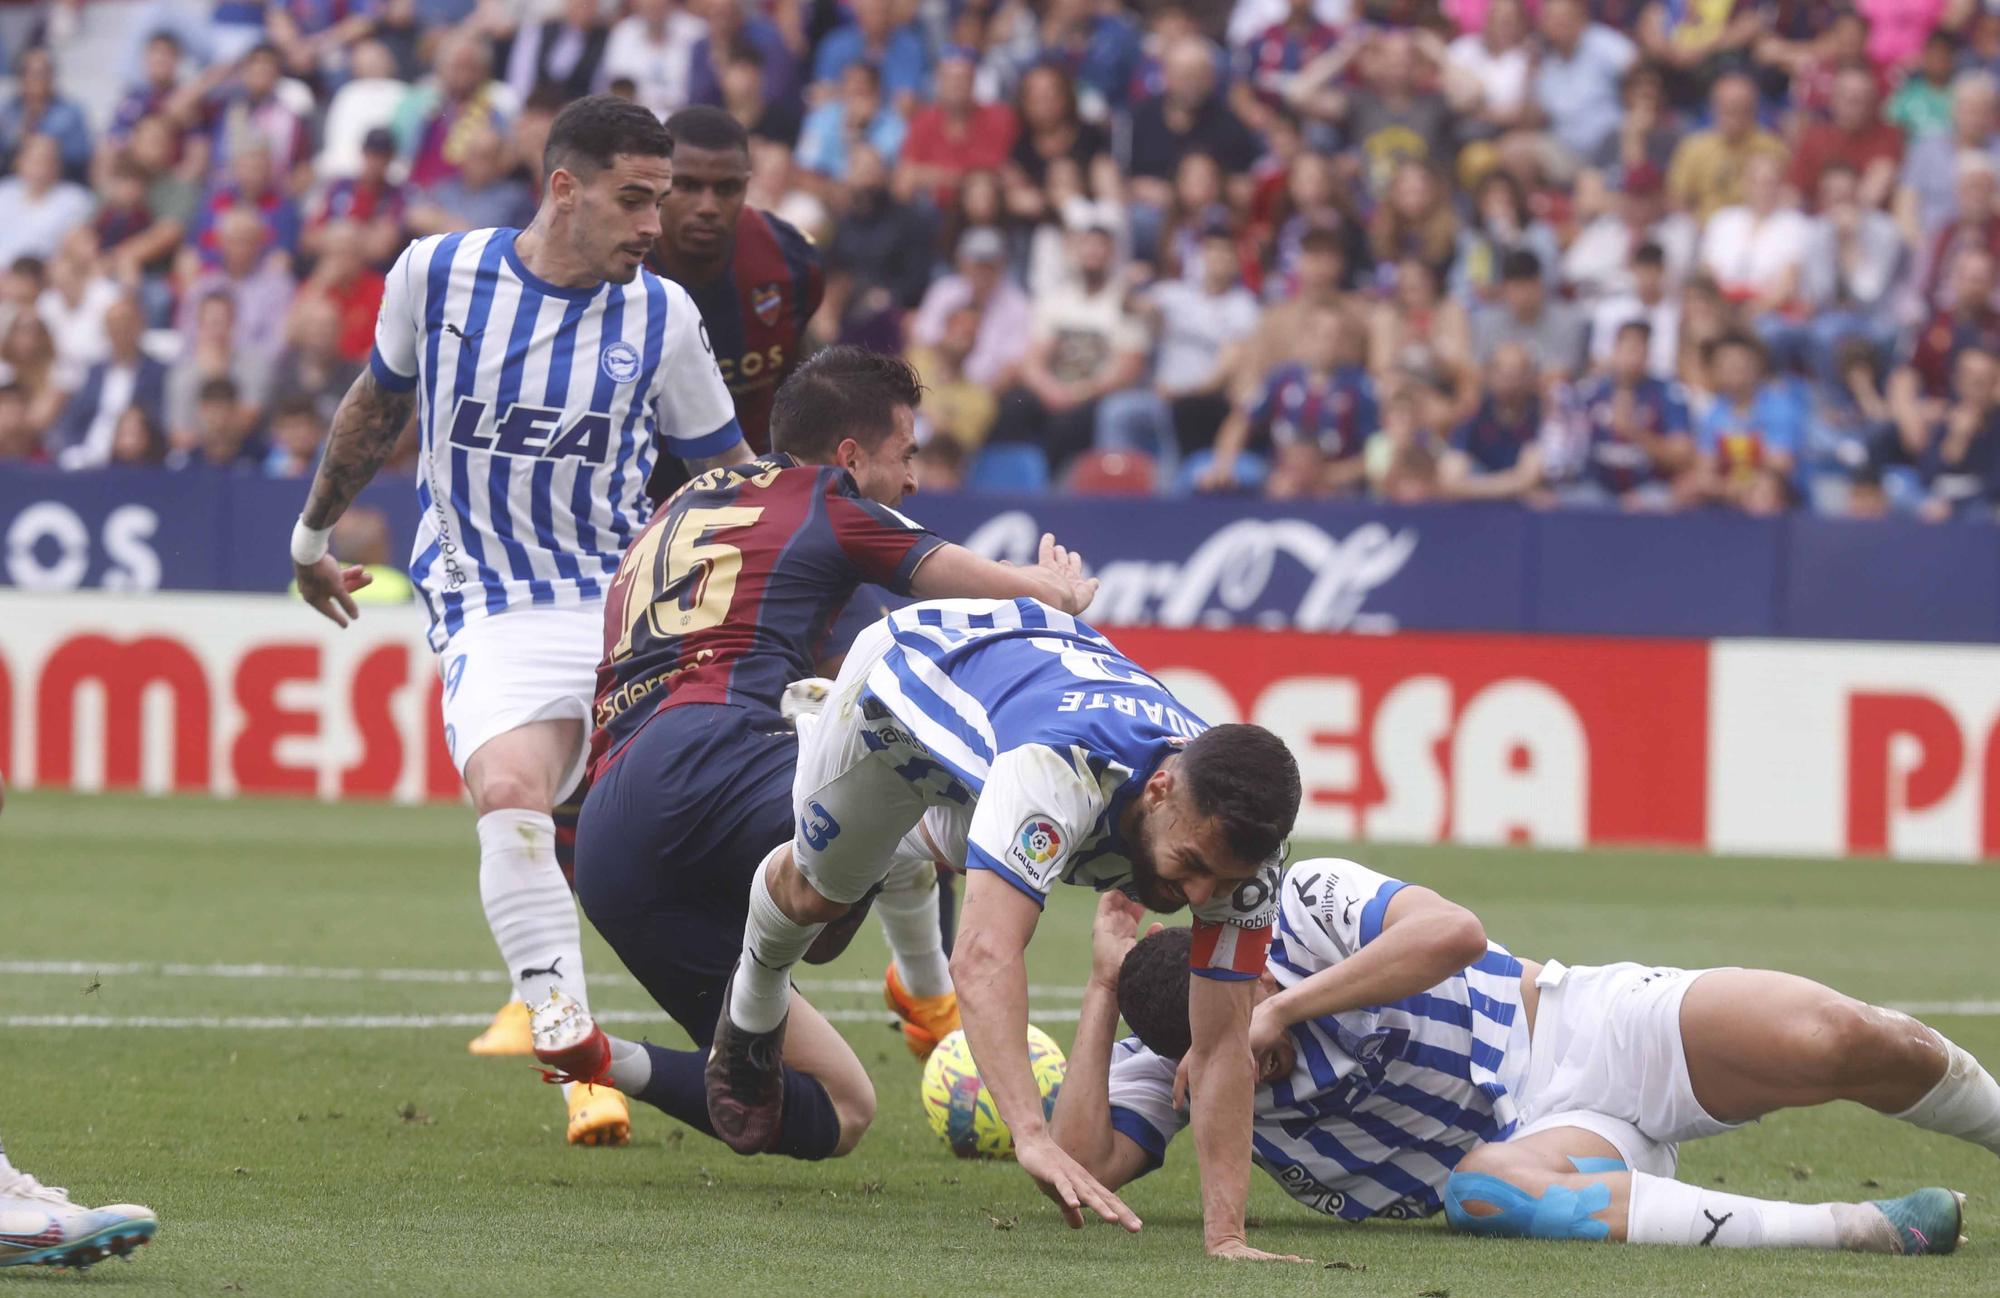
x: 1649, y: 254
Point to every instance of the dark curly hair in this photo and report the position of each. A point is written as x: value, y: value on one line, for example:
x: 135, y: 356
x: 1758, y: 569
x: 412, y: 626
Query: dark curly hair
x: 1245, y: 777
x: 587, y: 135
x: 1153, y: 992
x: 841, y: 392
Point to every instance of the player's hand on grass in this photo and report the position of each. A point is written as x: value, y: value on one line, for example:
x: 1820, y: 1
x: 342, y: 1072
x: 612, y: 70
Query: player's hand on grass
x: 1072, y: 1188
x: 330, y: 588
x: 1112, y: 934
x: 1235, y: 1250
x: 1074, y: 591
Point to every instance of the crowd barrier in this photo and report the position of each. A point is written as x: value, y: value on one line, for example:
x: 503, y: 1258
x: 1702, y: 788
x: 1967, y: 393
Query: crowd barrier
x: 1321, y: 566
x: 1733, y: 744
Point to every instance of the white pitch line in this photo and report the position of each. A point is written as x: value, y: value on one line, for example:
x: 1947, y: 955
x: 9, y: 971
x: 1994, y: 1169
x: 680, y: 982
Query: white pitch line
x: 310, y: 1022
x: 321, y: 973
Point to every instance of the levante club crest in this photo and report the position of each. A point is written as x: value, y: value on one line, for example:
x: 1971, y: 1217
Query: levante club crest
x: 766, y: 301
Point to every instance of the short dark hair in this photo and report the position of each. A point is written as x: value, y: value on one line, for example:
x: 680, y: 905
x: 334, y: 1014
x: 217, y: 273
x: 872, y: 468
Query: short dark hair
x: 1650, y: 254
x: 167, y: 36
x: 704, y: 126
x: 294, y: 405
x: 1320, y: 239
x: 1734, y: 338
x: 1153, y: 992
x: 1644, y: 328
x: 1246, y: 778
x: 1520, y: 265
x: 220, y: 388
x: 841, y: 392
x: 586, y: 136
x: 745, y: 52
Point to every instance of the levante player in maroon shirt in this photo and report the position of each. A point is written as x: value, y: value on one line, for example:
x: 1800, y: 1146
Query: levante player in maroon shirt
x: 756, y: 279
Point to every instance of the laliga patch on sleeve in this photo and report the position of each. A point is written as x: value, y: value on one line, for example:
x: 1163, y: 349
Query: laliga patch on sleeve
x: 1037, y: 850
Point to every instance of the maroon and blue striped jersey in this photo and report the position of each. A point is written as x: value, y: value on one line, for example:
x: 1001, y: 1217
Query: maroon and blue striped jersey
x: 728, y: 595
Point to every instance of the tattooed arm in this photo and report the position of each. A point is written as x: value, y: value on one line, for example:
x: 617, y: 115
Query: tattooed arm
x: 365, y: 429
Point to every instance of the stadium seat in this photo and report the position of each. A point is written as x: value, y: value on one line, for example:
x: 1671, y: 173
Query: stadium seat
x: 1113, y: 473
x: 1009, y: 467
x: 1251, y: 470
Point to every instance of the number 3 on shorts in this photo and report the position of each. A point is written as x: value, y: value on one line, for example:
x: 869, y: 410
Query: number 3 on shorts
x: 818, y: 827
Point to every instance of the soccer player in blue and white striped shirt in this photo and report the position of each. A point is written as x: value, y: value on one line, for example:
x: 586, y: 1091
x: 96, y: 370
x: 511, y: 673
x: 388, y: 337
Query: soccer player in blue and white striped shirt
x: 1409, y: 1066
x: 541, y: 364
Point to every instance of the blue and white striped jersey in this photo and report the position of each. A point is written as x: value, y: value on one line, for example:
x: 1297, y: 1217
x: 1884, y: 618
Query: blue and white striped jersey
x: 538, y: 406
x: 1382, y: 1102
x: 1047, y: 732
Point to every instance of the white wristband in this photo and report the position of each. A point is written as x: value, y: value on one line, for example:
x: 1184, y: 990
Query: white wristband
x: 308, y: 543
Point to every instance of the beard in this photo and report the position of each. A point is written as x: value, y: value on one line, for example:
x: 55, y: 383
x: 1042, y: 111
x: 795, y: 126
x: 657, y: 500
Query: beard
x: 1147, y: 888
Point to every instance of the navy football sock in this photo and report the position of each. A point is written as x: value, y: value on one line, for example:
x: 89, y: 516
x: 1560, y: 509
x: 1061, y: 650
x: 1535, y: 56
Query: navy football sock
x: 810, y: 1128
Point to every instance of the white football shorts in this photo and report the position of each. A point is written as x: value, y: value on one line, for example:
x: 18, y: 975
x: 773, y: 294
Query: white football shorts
x: 524, y: 664
x: 1606, y: 1056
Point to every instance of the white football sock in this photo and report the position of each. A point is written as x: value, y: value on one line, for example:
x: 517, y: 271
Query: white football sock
x: 528, y: 906
x: 772, y: 944
x: 1965, y: 1102
x: 908, y: 905
x: 631, y: 1066
x: 6, y: 1168
x: 1664, y: 1211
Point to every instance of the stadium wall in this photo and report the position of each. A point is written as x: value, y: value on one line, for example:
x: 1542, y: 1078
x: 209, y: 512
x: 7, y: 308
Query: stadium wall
x: 1738, y: 745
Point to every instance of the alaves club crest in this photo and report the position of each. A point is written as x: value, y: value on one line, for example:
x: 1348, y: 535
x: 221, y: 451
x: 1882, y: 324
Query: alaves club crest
x: 620, y: 362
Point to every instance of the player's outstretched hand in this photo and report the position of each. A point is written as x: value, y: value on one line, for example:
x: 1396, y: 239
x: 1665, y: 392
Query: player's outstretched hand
x: 1072, y: 1188
x: 1074, y: 591
x: 330, y: 588
x: 1235, y: 1250
x: 1112, y: 934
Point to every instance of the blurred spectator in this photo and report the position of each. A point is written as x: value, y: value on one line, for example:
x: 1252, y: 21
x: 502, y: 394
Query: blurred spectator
x: 1001, y: 312
x: 1051, y: 130
x: 1853, y: 264
x: 940, y: 464
x: 19, y: 442
x: 35, y: 109
x: 1496, y: 454
x: 1198, y: 203
x: 220, y: 436
x: 857, y: 116
x: 875, y: 37
x: 1967, y: 320
x: 482, y: 195
x: 1097, y: 46
x: 1598, y: 262
x: 1523, y: 314
x: 28, y: 359
x: 1756, y: 249
x: 1419, y: 330
x: 1501, y: 224
x: 438, y: 122
x: 1086, y: 343
x: 252, y: 113
x: 953, y: 134
x: 1709, y: 166
x: 1960, y: 458
x: 37, y: 206
x: 1974, y: 223
x: 1922, y: 104
x: 1312, y: 417
x: 1648, y: 303
x: 361, y: 112
x: 773, y: 124
x: 136, y: 439
x: 1415, y: 219
x: 959, y: 409
x: 1649, y: 130
x: 1931, y: 162
x: 1751, y: 436
x: 654, y: 46
x: 85, y: 435
x: 1491, y: 71
x: 343, y: 279
x: 369, y: 199
x: 312, y: 365
x: 1857, y: 136
x: 565, y: 52
x: 733, y: 23
x: 256, y: 280
x: 1189, y: 115
x: 1402, y: 457
x: 1266, y: 64
x: 1696, y: 42
x: 297, y: 434
x: 1637, y: 433
x: 254, y: 188
x: 1312, y: 201
x: 1318, y: 277
x: 879, y: 260
x: 1390, y: 117
x: 1899, y: 29
x: 1200, y: 324
x: 74, y: 306
x: 158, y: 83
x: 1577, y: 79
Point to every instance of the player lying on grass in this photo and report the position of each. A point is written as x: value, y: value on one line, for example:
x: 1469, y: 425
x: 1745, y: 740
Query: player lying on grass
x: 1065, y: 762
x: 1409, y: 1065
x: 725, y: 598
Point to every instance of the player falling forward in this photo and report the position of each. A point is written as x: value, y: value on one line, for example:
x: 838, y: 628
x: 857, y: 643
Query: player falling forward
x: 1410, y: 1065
x: 1067, y: 762
x: 540, y: 362
x: 722, y: 602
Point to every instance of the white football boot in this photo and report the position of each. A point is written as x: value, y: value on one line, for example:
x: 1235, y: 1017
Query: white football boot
x: 39, y: 1226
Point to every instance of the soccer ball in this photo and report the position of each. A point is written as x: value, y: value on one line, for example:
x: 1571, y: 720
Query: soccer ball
x: 959, y: 1106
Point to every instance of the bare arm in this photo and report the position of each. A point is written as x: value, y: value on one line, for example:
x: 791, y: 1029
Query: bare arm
x: 1222, y: 1089
x: 737, y: 454
x: 954, y: 572
x: 1425, y: 939
x: 992, y: 982
x: 1082, y: 1122
x: 364, y: 434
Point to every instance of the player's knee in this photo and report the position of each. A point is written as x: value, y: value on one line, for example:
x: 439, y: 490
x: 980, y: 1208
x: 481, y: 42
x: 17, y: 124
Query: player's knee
x: 1837, y: 1041
x: 1499, y: 1202
x: 856, y: 1111
x: 507, y: 788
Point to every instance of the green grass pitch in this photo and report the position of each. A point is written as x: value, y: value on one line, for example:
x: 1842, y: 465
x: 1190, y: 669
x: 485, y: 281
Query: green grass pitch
x: 317, y: 1159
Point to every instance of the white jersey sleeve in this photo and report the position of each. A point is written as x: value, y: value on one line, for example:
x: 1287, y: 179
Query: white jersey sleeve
x: 397, y: 329
x: 697, y: 416
x: 1036, y: 807
x: 1142, y: 1099
x: 1333, y: 908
